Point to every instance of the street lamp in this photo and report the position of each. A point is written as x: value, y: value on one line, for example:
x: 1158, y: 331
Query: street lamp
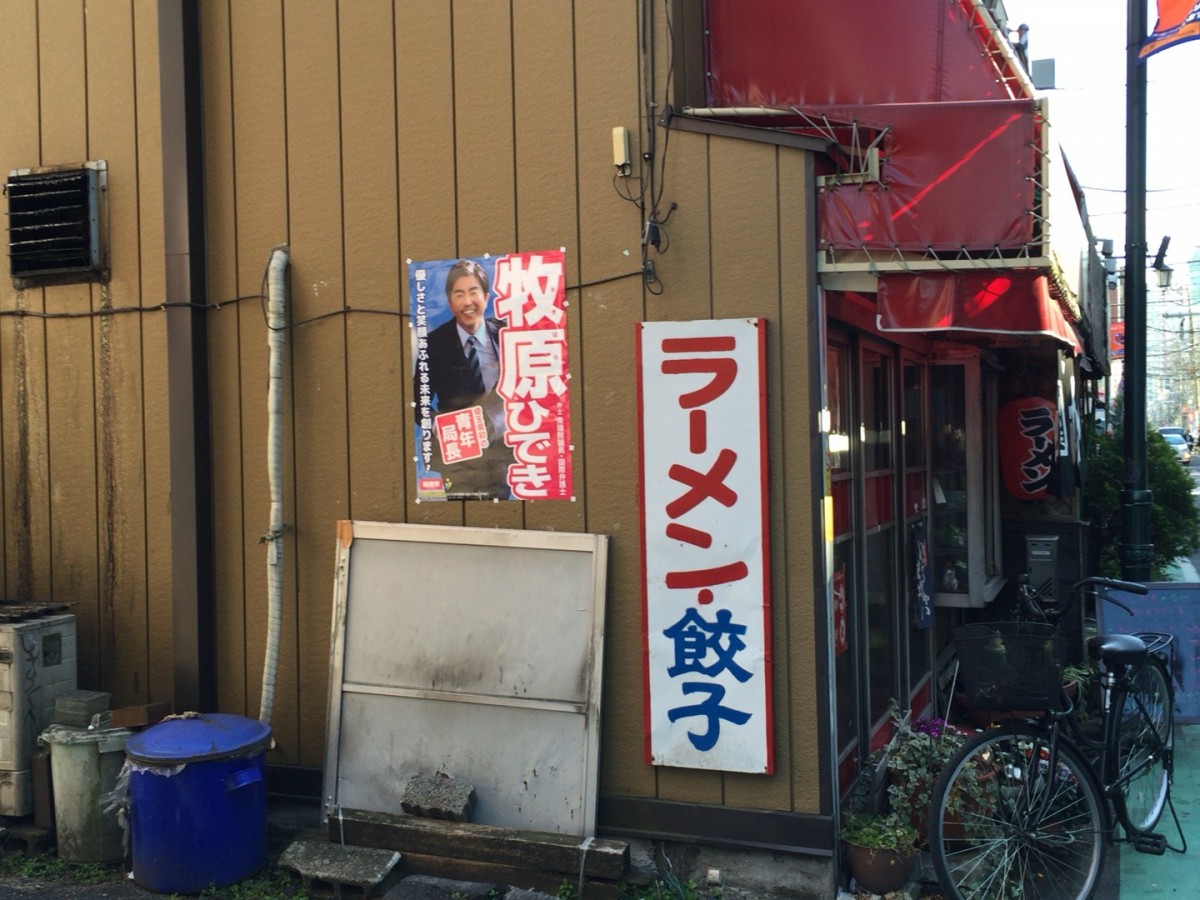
x: 1189, y: 349
x: 1163, y: 273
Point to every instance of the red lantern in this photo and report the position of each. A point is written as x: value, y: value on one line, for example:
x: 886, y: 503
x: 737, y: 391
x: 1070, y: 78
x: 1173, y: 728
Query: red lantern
x: 1028, y: 430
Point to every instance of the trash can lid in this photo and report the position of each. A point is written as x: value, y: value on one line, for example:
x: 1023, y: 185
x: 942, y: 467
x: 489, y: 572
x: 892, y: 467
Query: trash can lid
x: 197, y: 738
x: 69, y: 734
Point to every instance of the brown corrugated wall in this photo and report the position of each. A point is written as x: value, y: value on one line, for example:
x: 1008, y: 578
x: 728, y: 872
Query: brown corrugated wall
x: 363, y: 134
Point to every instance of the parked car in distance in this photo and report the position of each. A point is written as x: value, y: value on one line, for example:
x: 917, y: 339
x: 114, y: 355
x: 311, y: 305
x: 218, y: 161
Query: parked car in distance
x: 1179, y: 444
x: 1164, y: 430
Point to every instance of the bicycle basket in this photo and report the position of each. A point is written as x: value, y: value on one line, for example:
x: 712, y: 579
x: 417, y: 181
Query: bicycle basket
x: 1011, y: 665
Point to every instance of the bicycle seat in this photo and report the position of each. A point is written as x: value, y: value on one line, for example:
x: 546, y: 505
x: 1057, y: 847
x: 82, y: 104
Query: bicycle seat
x: 1122, y: 649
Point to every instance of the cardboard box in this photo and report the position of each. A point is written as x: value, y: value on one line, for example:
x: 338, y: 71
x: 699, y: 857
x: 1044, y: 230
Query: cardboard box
x: 140, y: 716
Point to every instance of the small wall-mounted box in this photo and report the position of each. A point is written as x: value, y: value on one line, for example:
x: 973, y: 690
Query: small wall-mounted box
x: 621, y: 147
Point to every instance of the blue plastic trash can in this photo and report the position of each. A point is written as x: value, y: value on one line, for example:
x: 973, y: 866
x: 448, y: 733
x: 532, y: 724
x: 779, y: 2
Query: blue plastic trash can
x: 198, y: 802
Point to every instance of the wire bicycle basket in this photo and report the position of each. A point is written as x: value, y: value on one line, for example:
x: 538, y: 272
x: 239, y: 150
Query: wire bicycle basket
x: 1012, y: 665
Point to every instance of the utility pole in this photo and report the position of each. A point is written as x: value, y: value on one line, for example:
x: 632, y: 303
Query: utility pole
x: 1136, y: 551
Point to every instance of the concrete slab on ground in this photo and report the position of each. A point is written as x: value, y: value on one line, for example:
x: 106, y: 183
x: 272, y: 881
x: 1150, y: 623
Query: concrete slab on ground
x: 324, y: 865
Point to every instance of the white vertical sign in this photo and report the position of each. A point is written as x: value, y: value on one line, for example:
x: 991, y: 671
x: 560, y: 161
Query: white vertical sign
x: 702, y: 424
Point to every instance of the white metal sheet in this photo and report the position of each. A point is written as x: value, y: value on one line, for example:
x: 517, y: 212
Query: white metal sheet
x: 475, y: 652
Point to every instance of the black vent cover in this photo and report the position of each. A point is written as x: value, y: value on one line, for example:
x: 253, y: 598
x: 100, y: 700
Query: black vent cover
x: 56, y: 225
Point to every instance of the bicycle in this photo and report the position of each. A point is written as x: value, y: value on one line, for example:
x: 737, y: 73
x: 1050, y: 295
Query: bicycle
x: 1027, y: 809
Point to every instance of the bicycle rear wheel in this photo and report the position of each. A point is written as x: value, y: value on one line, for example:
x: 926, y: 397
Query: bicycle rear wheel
x: 1003, y: 825
x: 1140, y: 745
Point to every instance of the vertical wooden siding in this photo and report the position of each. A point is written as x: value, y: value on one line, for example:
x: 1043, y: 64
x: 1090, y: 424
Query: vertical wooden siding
x: 363, y: 134
x: 84, y: 400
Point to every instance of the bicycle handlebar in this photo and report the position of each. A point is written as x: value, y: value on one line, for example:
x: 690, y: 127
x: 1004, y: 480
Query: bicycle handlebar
x: 1113, y: 584
x: 1101, y: 586
x: 1032, y: 600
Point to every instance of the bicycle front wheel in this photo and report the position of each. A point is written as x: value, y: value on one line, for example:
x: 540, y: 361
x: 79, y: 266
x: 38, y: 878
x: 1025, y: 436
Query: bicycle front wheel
x: 1140, y: 747
x: 1004, y: 823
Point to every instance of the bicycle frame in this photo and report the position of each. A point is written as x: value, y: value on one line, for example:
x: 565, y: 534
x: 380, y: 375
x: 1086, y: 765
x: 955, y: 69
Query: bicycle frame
x: 1115, y: 678
x: 1060, y: 792
x: 1100, y: 752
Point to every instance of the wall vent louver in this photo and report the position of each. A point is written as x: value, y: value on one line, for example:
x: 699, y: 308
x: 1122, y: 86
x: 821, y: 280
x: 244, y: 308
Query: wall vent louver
x: 57, y: 224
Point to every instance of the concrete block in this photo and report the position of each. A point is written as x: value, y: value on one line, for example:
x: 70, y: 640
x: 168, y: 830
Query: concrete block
x: 77, y: 707
x: 322, y: 864
x: 32, y: 840
x: 439, y: 797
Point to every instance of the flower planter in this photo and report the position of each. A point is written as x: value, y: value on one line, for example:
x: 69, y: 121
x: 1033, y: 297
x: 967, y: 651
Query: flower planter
x: 877, y: 870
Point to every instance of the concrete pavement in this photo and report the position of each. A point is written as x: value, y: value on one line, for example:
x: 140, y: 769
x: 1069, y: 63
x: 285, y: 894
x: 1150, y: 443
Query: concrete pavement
x: 1172, y: 874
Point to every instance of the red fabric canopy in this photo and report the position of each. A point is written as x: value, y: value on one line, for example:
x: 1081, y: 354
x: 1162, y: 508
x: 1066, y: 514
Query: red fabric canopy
x: 994, y: 302
x: 781, y: 53
x: 952, y: 176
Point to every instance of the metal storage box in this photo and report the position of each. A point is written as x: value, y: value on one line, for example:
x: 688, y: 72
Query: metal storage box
x: 37, y: 663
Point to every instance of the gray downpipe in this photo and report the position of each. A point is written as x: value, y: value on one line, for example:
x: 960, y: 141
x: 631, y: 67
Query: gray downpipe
x: 276, y: 336
x: 193, y: 569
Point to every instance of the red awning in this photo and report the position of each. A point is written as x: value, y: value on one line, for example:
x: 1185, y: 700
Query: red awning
x: 781, y: 53
x: 952, y: 177
x: 993, y: 302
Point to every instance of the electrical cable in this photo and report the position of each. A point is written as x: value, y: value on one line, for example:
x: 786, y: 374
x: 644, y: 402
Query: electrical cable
x: 219, y: 304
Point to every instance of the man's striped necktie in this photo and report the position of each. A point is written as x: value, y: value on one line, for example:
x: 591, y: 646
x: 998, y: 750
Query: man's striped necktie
x: 473, y: 363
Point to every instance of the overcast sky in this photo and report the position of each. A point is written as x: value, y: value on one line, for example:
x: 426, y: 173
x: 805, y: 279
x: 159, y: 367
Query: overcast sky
x: 1087, y: 40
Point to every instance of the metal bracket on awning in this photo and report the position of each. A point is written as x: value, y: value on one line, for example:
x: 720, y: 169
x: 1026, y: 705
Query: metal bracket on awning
x: 857, y: 143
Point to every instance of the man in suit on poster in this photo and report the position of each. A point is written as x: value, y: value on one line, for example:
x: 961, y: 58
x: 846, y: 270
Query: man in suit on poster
x: 464, y: 369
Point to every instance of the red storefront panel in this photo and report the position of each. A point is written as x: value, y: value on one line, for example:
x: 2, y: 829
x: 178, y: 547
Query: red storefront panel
x: 841, y: 507
x: 880, y: 501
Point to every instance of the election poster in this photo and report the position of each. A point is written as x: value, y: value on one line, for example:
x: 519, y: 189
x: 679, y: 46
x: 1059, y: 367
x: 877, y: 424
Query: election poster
x: 491, y: 402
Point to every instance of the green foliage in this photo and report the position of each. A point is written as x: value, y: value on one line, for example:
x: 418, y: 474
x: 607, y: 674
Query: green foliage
x: 1174, y: 518
x: 270, y: 884
x: 891, y: 831
x: 916, y: 755
x: 49, y: 867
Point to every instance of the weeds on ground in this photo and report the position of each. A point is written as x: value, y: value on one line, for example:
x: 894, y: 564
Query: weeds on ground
x: 270, y: 884
x: 49, y: 867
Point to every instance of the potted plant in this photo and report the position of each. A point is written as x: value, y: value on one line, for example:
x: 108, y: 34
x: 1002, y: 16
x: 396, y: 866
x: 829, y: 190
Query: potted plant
x: 879, y: 850
x: 916, y: 755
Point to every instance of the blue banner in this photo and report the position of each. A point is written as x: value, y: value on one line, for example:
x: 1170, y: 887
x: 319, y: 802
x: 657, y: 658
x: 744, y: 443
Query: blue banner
x: 922, y: 591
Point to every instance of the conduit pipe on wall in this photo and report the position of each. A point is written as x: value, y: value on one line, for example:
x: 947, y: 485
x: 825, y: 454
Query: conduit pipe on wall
x: 276, y: 335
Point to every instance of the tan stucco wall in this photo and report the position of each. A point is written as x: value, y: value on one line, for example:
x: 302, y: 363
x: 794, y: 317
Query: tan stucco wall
x: 363, y: 134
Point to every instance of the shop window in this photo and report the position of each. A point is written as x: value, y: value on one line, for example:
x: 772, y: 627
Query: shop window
x: 964, y: 485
